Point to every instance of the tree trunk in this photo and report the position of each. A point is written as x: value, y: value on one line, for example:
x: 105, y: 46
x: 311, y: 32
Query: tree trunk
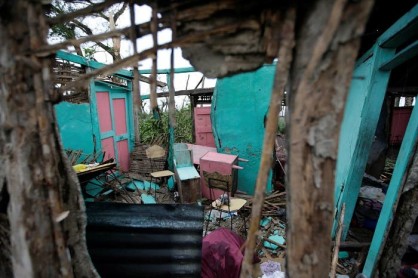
x: 46, y: 242
x: 115, y: 40
x: 326, y: 49
x: 403, y: 223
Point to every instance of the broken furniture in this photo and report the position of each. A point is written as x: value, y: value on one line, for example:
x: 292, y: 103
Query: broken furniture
x: 164, y: 175
x: 96, y: 176
x: 156, y: 174
x: 223, y: 164
x: 225, y: 204
x: 130, y: 240
x: 187, y: 178
x: 198, y: 151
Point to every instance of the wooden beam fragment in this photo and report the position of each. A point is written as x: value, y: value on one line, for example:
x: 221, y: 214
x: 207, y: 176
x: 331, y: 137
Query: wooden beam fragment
x: 324, y: 59
x: 280, y: 80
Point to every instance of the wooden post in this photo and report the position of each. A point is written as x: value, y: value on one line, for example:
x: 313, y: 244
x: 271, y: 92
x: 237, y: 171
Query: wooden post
x: 136, y: 88
x: 327, y: 46
x: 280, y: 80
x: 42, y: 187
x: 337, y: 244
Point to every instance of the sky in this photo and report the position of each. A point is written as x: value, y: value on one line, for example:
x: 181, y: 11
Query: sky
x: 143, y: 14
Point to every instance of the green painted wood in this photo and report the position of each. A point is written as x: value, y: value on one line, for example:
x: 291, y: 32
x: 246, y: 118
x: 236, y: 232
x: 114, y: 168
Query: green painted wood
x: 401, y: 31
x: 361, y: 114
x: 75, y: 127
x: 90, y: 63
x: 171, y: 131
x: 239, y: 107
x: 94, y: 116
x: 409, y: 143
x: 167, y: 71
x: 401, y: 57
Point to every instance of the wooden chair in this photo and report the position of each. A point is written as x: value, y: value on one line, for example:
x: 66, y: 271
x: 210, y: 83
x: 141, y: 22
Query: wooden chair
x: 154, y: 152
x: 224, y: 183
x: 187, y: 178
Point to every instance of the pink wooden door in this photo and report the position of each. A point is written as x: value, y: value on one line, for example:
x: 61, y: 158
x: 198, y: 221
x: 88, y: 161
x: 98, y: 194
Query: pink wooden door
x: 203, y: 127
x: 112, y: 110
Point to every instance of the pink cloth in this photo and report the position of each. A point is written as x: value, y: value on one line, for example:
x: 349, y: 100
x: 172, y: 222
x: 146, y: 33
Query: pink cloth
x: 221, y: 254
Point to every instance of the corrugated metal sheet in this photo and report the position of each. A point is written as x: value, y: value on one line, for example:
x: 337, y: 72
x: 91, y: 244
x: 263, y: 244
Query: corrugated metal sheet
x: 126, y: 240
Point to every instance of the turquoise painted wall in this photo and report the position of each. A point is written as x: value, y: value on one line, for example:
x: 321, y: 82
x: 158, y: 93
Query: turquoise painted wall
x: 239, y: 106
x: 75, y: 126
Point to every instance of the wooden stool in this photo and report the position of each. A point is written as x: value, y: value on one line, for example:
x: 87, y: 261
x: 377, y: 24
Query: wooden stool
x: 160, y: 175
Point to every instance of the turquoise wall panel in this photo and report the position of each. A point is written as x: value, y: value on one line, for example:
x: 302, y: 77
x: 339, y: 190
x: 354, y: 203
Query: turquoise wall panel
x: 75, y: 126
x: 403, y: 161
x: 240, y: 104
x: 361, y: 115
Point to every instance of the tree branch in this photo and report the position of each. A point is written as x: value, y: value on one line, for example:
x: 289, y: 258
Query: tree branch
x: 95, y: 8
x: 121, y: 11
x: 89, y: 32
x: 131, y: 60
x: 143, y: 29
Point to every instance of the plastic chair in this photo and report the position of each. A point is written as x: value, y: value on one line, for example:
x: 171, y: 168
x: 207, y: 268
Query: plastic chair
x: 224, y: 183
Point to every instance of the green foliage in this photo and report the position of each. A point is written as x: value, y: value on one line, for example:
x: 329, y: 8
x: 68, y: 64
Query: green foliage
x: 153, y: 131
x: 89, y: 52
x: 282, y: 125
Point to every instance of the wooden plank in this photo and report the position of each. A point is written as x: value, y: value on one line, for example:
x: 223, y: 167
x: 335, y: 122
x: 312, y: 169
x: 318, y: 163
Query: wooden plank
x: 404, y: 55
x: 96, y: 65
x: 358, y: 128
x: 386, y: 215
x: 401, y: 31
x: 167, y: 71
x: 192, y: 92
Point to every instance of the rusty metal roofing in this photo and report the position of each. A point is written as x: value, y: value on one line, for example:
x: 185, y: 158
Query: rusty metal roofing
x: 128, y: 240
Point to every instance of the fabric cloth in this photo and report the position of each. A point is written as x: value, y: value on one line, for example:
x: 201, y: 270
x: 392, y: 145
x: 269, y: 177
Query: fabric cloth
x: 221, y: 254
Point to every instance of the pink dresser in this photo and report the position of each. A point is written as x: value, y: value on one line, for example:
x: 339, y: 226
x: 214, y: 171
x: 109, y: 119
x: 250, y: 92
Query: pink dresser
x: 219, y: 166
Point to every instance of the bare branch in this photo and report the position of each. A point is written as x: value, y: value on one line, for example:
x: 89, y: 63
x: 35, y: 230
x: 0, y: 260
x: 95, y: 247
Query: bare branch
x: 131, y: 60
x: 89, y: 32
x: 143, y: 29
x: 121, y: 11
x: 95, y: 8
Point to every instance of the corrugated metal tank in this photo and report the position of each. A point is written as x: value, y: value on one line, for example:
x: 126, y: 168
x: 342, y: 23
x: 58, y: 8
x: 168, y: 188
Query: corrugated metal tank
x: 128, y: 240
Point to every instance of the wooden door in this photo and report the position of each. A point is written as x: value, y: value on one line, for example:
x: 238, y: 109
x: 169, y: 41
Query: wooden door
x: 112, y: 108
x: 203, y: 127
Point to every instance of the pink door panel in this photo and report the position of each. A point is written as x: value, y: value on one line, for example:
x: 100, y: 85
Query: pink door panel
x: 119, y: 109
x: 123, y: 153
x: 203, y: 127
x: 103, y: 107
x: 108, y: 147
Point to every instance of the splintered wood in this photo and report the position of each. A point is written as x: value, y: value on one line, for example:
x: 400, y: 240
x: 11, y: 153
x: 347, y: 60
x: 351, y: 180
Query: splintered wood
x: 274, y: 204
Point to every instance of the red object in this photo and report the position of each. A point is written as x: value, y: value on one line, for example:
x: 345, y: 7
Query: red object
x: 399, y: 122
x: 222, y: 254
x: 203, y: 127
x: 222, y: 164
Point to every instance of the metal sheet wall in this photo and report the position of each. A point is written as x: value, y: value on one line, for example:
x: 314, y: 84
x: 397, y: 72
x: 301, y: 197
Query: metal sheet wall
x: 126, y: 240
